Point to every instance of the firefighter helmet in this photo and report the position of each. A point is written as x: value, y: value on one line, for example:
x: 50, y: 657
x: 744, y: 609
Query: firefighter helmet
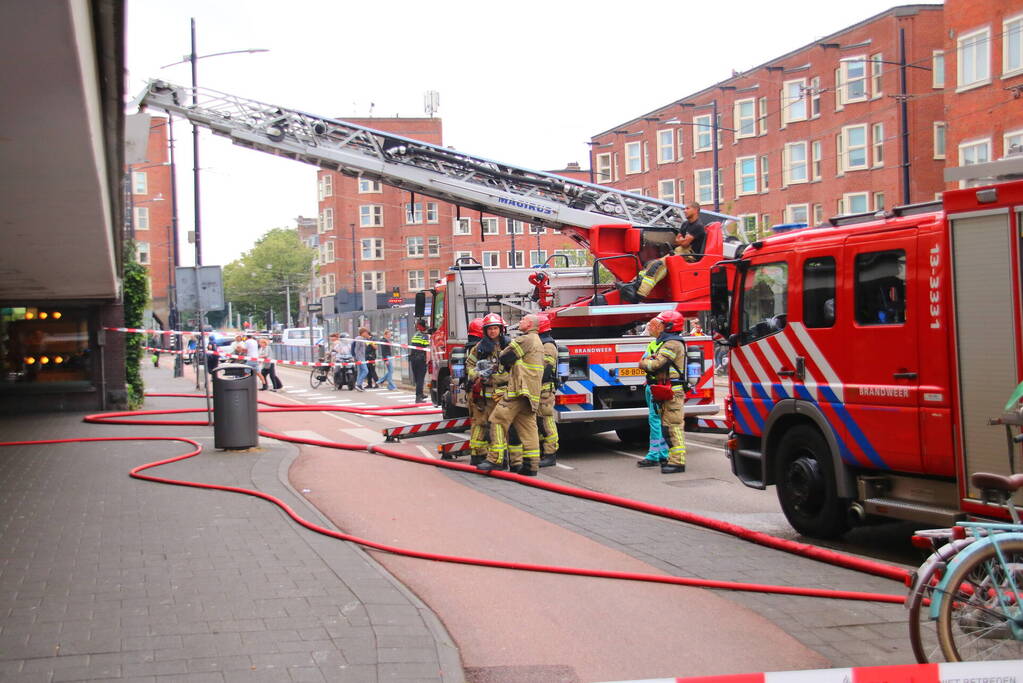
x: 672, y: 320
x: 476, y: 327
x: 543, y: 323
x: 492, y: 319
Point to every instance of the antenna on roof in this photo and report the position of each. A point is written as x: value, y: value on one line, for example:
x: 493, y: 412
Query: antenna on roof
x: 431, y: 102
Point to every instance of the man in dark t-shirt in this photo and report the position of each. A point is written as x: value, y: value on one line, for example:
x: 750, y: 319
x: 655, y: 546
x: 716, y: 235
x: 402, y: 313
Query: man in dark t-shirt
x: 689, y: 243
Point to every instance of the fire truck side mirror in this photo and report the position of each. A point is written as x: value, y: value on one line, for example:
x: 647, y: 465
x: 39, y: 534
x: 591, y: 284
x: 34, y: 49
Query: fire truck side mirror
x: 420, y: 304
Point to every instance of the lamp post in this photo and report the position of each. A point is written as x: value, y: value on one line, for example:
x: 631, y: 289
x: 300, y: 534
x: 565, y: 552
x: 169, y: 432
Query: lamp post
x: 355, y: 284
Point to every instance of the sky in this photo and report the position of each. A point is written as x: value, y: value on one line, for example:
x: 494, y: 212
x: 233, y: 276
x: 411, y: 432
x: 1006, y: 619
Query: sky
x: 526, y: 83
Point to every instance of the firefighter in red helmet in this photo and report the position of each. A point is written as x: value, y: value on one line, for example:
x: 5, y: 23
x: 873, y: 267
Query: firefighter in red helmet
x: 665, y: 369
x: 485, y: 379
x: 545, y: 416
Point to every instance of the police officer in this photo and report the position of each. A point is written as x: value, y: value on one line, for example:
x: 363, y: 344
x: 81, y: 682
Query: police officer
x: 665, y: 368
x: 545, y: 416
x: 420, y: 342
x: 519, y: 405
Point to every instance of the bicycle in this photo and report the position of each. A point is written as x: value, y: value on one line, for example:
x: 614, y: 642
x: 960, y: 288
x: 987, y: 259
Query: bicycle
x: 319, y: 374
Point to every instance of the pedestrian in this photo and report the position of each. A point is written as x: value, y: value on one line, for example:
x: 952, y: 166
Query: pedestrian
x: 386, y: 353
x: 268, y: 369
x: 372, y: 382
x: 417, y: 358
x: 546, y: 423
x: 689, y: 243
x: 359, y: 353
x: 665, y: 369
x: 519, y: 405
x: 212, y: 355
x: 252, y: 352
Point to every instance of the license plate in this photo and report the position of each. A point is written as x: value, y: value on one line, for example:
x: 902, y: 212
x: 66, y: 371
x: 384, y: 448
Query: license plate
x: 630, y: 372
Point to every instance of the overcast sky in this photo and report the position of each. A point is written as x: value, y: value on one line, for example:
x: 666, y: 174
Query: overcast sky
x: 525, y: 82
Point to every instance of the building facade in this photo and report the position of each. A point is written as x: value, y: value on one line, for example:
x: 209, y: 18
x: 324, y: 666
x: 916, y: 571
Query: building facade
x: 981, y: 68
x: 377, y: 238
x: 816, y: 132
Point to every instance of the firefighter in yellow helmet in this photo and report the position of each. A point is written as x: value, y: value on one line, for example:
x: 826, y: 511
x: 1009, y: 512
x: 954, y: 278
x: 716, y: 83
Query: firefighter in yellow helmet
x: 665, y: 368
x: 519, y: 405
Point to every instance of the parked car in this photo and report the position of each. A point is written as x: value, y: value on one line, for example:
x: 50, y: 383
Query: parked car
x: 299, y: 336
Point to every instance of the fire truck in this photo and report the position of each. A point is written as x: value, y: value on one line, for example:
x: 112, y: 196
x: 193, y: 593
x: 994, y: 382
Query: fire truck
x: 622, y: 231
x: 868, y: 358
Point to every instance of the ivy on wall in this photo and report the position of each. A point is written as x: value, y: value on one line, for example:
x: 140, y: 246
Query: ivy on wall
x: 136, y: 297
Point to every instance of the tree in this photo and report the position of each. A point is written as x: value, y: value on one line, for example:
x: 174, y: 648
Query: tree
x: 259, y: 281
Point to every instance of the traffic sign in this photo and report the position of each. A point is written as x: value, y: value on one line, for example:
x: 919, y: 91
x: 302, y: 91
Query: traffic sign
x: 314, y: 308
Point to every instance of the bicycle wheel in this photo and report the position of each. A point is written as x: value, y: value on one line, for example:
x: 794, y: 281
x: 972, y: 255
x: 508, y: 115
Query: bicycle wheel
x: 976, y: 617
x: 923, y: 636
x: 317, y: 377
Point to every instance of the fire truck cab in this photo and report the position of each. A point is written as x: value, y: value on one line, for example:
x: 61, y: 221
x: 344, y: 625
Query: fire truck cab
x: 867, y: 358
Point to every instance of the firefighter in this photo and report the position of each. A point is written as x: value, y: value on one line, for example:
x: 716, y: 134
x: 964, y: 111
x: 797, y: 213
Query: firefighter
x: 520, y: 402
x: 665, y: 368
x: 545, y: 417
x: 420, y: 342
x: 689, y: 243
x: 475, y: 400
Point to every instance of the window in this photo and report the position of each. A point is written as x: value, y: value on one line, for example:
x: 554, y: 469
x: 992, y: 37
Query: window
x: 763, y: 174
x: 853, y: 148
x: 939, y: 139
x: 877, y: 137
x: 818, y: 214
x: 433, y: 246
x: 462, y: 226
x: 634, y: 158
x: 516, y: 227
x: 880, y: 294
x: 373, y: 249
x: 854, y: 80
x: 702, y: 131
x: 371, y: 215
x: 793, y: 101
x: 762, y: 115
x: 749, y: 226
x: 745, y: 118
x: 537, y: 257
x: 764, y: 305
x: 797, y: 213
x: 414, y: 247
x: 328, y: 251
x: 463, y: 255
x: 838, y: 90
x: 367, y: 186
x: 879, y: 201
x: 326, y: 186
x: 373, y: 281
x: 977, y: 152
x: 666, y: 190
x: 1012, y: 143
x: 815, y: 159
x: 938, y: 69
x: 815, y: 97
x: 516, y: 259
x: 704, y: 191
x: 1012, y: 46
x: 491, y: 259
x: 416, y: 281
x: 665, y: 146
x: 328, y: 284
x: 876, y: 70
x: 142, y: 218
x: 143, y: 253
x: 604, y: 168
x: 856, y: 202
x: 434, y: 275
x: 140, y: 184
x: 765, y: 222
x: 746, y: 175
x: 414, y: 213
x: 819, y: 291
x: 794, y: 163
x: 489, y: 226
x: 328, y: 220
x: 536, y: 230
x: 974, y: 63
x: 681, y: 192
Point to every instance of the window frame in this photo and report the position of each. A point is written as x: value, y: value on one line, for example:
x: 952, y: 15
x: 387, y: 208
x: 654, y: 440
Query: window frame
x: 761, y: 116
x: 940, y: 125
x: 984, y: 42
x: 816, y: 154
x: 433, y: 246
x: 876, y: 72
x: 1007, y: 70
x: 413, y: 251
x: 790, y: 210
x: 847, y: 198
x: 666, y: 152
x: 788, y: 100
x: 516, y: 258
x: 374, y: 277
x: 372, y: 245
x: 144, y: 254
x: 739, y: 121
x: 847, y: 148
x: 764, y: 169
x: 420, y: 280
x: 456, y: 224
x: 848, y: 80
x: 329, y: 255
x: 698, y: 186
x: 858, y: 288
x: 634, y: 153
x: 787, y: 165
x: 139, y: 182
x: 698, y: 131
x: 660, y: 190
x: 141, y: 218
x: 745, y: 330
x: 328, y: 185
x: 368, y: 186
x: 514, y: 226
x: 604, y: 171
x: 371, y: 215
x: 1005, y: 140
x: 877, y: 144
x: 938, y: 69
x: 741, y: 177
x: 496, y: 258
x: 487, y: 221
x: 537, y: 256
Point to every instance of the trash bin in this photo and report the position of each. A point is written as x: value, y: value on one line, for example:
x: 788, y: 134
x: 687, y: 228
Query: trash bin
x: 235, y: 419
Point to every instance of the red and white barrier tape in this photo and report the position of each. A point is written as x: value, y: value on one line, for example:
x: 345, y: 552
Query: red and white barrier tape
x: 937, y: 672
x: 426, y: 428
x: 303, y: 363
x: 137, y: 330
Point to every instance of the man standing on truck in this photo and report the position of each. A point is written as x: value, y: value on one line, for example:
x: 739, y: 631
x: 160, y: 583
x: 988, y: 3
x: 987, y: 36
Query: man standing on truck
x: 689, y: 244
x: 420, y: 342
x: 665, y: 369
x: 523, y: 357
x: 545, y: 417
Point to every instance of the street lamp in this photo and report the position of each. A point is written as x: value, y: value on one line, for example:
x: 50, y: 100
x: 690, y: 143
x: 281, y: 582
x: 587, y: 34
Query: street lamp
x: 193, y: 58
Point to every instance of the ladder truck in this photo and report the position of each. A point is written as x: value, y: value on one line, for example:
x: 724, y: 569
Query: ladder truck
x: 871, y: 360
x: 618, y: 228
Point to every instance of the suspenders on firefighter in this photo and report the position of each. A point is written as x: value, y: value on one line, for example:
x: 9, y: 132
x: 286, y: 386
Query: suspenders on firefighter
x: 665, y: 369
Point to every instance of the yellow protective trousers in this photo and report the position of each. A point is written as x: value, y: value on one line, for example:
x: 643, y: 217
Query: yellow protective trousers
x: 545, y: 420
x: 517, y: 412
x: 673, y: 428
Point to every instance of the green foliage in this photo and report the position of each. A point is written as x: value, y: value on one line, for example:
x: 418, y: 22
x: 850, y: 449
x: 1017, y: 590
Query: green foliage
x: 256, y: 283
x: 136, y: 297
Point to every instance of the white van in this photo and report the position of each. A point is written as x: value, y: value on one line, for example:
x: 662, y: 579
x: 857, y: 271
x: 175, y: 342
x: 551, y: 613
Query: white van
x: 299, y: 336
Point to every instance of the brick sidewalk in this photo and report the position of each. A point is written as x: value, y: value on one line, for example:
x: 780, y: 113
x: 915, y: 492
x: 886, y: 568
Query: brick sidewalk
x: 107, y: 577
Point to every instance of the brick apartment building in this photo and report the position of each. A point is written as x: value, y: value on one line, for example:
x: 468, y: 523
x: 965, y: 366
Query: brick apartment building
x: 982, y: 73
x: 373, y: 237
x: 150, y: 209
x: 810, y: 134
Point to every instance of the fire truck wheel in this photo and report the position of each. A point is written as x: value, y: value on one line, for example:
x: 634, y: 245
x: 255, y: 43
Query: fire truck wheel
x: 804, y: 475
x: 634, y: 435
x: 449, y: 410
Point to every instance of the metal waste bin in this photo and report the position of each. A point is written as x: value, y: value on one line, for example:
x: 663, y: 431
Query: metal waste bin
x: 235, y: 419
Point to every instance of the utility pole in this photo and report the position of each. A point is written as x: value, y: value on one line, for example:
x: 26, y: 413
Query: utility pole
x: 714, y: 146
x: 904, y: 116
x: 175, y: 318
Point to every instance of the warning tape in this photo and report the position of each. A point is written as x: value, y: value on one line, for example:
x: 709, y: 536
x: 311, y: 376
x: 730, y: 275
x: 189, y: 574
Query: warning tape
x: 138, y: 330
x: 426, y: 428
x: 303, y: 363
x: 451, y: 450
x: 710, y: 425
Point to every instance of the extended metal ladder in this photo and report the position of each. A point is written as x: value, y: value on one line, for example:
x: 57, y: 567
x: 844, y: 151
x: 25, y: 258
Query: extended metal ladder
x: 536, y: 197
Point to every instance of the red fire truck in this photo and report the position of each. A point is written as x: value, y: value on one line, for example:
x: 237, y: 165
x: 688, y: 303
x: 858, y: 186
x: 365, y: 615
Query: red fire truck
x: 867, y: 358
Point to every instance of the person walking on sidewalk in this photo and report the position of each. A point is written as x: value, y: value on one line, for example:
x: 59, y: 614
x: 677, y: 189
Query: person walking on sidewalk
x: 372, y: 381
x: 386, y: 351
x: 417, y: 358
x: 523, y: 357
x: 666, y: 378
x: 268, y: 369
x: 359, y: 352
